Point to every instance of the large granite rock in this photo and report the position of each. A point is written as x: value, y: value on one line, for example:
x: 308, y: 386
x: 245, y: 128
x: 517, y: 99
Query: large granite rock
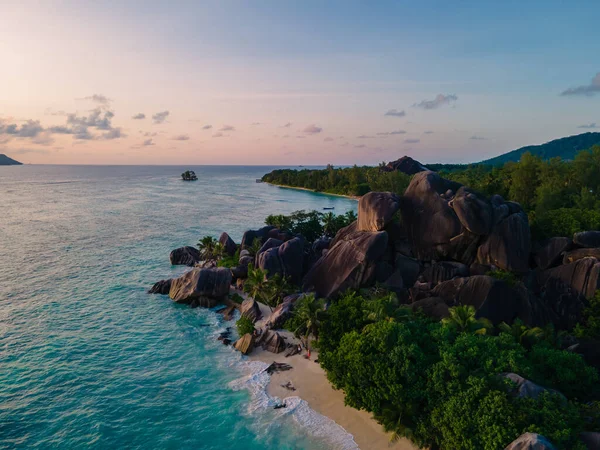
x: 228, y: 244
x: 473, y: 210
x: 185, y: 256
x: 250, y: 309
x: 251, y: 235
x: 438, y: 272
x: 549, y: 252
x: 201, y: 287
x: 527, y: 389
x: 531, y: 441
x: 349, y: 264
x: 161, y: 287
x: 245, y: 344
x: 580, y: 253
x: 282, y: 312
x: 406, y: 165
x: 565, y: 303
x: 428, y: 218
x: 285, y: 259
x: 272, y: 342
x: 591, y: 440
x: 376, y: 210
x: 581, y: 275
x: 588, y: 239
x: 509, y: 245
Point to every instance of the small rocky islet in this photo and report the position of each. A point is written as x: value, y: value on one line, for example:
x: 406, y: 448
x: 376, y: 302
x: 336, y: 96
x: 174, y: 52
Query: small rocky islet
x: 435, y: 247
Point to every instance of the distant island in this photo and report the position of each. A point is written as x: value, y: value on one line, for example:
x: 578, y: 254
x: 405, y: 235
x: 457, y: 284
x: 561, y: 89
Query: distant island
x: 189, y: 175
x: 6, y: 161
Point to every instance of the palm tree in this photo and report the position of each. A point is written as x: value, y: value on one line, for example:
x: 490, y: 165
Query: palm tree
x: 329, y: 224
x: 381, y: 308
x: 256, y: 283
x: 350, y: 216
x: 463, y: 319
x: 207, y: 246
x: 276, y: 289
x: 522, y: 333
x: 308, y: 312
x: 255, y: 246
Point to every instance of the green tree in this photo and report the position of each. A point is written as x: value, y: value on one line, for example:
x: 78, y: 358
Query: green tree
x: 307, y: 314
x: 462, y: 318
x: 244, y: 325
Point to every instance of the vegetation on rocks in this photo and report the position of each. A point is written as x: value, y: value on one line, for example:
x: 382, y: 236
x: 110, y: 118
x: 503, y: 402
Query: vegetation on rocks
x: 244, y: 325
x: 313, y: 224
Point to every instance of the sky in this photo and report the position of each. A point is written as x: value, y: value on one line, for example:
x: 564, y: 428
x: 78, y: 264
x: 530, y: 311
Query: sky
x: 286, y: 83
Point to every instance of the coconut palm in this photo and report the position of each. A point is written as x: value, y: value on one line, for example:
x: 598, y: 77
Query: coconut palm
x: 209, y: 247
x: 330, y: 222
x: 463, y: 319
x: 308, y: 313
x: 255, y: 247
x: 257, y: 283
x: 522, y: 333
x: 277, y: 287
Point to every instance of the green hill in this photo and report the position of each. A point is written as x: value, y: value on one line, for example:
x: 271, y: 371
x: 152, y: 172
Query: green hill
x: 6, y: 161
x: 566, y: 148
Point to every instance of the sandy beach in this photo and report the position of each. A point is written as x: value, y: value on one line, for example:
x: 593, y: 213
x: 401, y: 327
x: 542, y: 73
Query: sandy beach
x: 283, y: 186
x: 312, y: 385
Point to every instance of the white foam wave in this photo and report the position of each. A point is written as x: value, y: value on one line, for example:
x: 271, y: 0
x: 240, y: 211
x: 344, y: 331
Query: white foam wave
x: 318, y: 426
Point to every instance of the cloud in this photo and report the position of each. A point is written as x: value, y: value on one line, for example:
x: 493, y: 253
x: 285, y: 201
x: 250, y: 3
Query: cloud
x: 148, y: 142
x: 181, y: 137
x: 51, y: 112
x: 412, y: 141
x: 255, y: 124
x: 328, y: 139
x: 589, y: 126
x: 300, y: 137
x: 207, y: 127
x: 587, y: 90
x: 312, y: 129
x: 391, y: 133
x: 227, y: 128
x: 364, y: 136
x: 139, y: 116
x: 477, y: 138
x: 438, y: 101
x: 23, y: 151
x: 285, y: 136
x: 395, y: 113
x: 98, y: 98
x: 217, y: 135
x: 160, y: 117
x: 115, y: 133
x: 428, y: 132
x: 360, y: 146
x: 29, y: 129
x: 287, y: 125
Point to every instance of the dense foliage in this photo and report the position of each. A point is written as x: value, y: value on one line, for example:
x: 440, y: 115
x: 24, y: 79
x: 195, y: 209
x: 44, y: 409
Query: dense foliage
x: 244, y: 326
x: 439, y: 383
x: 268, y: 290
x: 560, y: 197
x: 313, y: 224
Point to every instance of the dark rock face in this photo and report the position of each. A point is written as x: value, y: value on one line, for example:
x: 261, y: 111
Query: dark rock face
x: 428, y: 218
x: 406, y: 165
x: 587, y: 239
x: 580, y: 253
x: 285, y: 259
x: 581, y: 275
x: 350, y: 263
x: 564, y: 301
x: 591, y: 440
x: 527, y: 389
x: 549, y: 253
x: 269, y: 243
x: 530, y: 441
x: 473, y: 210
x: 509, y: 245
x: 185, y: 256
x: 444, y: 271
x: 432, y: 306
x: 272, y: 342
x: 251, y: 310
x: 282, y: 312
x: 228, y: 244
x: 250, y: 235
x: 162, y: 287
x: 376, y: 209
x: 201, y: 287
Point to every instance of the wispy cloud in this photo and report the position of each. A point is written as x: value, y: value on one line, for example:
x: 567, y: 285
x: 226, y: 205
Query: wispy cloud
x: 365, y: 136
x: 391, y: 133
x: 360, y: 146
x: 395, y: 113
x: 29, y: 129
x: 181, y: 137
x: 428, y: 132
x: 218, y: 135
x: 287, y: 125
x: 227, y: 128
x: 254, y: 124
x: 98, y: 98
x: 312, y: 129
x: 139, y: 116
x: 160, y: 117
x: 148, y: 142
x: 207, y: 127
x: 328, y: 139
x: 477, y: 138
x: 589, y: 126
x: 412, y: 141
x: 438, y: 101
x: 587, y: 90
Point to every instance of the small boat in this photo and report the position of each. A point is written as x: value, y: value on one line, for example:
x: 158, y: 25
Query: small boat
x: 189, y: 175
x: 329, y: 207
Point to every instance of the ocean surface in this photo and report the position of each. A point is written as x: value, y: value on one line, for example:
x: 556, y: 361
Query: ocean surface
x: 87, y: 358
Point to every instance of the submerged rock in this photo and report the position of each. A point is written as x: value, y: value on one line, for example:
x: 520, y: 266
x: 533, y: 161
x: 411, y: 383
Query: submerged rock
x: 201, y: 287
x: 185, y: 256
x: 161, y: 287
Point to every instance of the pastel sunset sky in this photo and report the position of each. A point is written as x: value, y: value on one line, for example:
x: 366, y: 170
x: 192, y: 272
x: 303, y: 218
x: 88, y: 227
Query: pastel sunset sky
x: 282, y: 82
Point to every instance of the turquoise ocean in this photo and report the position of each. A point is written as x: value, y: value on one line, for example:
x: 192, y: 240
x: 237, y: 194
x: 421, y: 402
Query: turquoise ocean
x: 87, y: 358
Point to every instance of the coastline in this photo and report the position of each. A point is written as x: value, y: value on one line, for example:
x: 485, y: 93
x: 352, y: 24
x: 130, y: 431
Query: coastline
x: 312, y: 386
x: 283, y: 186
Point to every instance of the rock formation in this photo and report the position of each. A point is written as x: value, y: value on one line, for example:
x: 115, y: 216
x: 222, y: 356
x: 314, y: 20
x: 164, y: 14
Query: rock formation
x: 201, y: 287
x: 250, y: 309
x: 245, y: 344
x: 531, y: 441
x: 228, y: 244
x: 185, y: 256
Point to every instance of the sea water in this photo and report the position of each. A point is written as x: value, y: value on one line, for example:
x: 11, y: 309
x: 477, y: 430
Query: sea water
x: 87, y: 358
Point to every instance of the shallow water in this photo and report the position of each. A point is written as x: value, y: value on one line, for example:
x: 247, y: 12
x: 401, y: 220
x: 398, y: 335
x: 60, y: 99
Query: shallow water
x: 87, y: 358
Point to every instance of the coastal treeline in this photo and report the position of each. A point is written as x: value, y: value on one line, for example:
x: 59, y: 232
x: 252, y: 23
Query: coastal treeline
x: 560, y: 197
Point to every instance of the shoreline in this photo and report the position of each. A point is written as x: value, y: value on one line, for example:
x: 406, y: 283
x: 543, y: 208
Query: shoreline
x: 283, y: 186
x: 312, y: 386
